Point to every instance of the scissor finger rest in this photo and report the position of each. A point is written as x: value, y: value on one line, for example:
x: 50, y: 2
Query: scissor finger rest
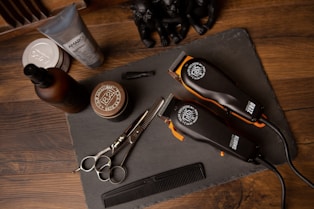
x: 115, y: 175
x: 88, y: 163
x: 103, y: 167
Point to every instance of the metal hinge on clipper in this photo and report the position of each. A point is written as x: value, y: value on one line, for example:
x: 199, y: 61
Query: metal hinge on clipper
x: 209, y: 84
x: 196, y: 121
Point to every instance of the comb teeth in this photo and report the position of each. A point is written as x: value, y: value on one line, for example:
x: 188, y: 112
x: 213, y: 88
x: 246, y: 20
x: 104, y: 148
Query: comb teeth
x: 155, y: 184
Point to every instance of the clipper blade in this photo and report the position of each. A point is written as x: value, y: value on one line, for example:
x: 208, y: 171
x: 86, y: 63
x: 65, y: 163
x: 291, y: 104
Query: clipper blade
x: 177, y: 62
x: 164, y: 110
x: 175, y: 66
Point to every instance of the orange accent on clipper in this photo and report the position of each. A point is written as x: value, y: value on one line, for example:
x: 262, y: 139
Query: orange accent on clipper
x: 175, y: 133
x: 256, y: 123
x: 174, y: 73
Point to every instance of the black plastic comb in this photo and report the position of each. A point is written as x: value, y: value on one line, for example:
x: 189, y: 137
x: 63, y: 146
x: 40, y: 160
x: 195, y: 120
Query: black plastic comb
x: 155, y: 184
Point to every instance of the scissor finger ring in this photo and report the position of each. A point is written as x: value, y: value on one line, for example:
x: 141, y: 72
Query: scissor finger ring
x: 88, y: 163
x: 102, y: 162
x: 102, y: 168
x: 117, y: 174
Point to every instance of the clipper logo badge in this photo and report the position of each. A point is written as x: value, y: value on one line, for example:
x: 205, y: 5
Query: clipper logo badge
x: 187, y: 115
x: 196, y: 70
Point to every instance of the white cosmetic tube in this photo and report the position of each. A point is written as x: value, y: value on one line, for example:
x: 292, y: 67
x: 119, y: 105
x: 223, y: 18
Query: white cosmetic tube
x: 69, y: 31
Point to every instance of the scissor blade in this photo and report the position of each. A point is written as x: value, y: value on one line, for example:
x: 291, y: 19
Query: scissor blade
x: 152, y: 112
x: 138, y: 127
x: 135, y: 124
x: 144, y: 119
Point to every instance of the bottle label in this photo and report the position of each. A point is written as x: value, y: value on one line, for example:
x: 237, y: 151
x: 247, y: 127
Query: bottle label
x: 81, y: 48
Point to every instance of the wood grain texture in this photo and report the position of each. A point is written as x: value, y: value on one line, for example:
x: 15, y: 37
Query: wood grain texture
x: 36, y: 152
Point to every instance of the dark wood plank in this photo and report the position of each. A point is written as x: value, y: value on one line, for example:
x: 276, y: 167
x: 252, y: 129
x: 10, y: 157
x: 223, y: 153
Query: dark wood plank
x: 295, y: 94
x: 34, y: 139
x: 41, y: 124
x: 56, y: 190
x: 286, y: 58
x: 34, y: 162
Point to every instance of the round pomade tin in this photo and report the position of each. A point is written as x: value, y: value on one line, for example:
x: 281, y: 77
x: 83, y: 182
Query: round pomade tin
x: 110, y: 100
x: 44, y: 53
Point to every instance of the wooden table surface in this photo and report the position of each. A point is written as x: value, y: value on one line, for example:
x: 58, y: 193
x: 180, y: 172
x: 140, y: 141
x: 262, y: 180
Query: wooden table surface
x: 36, y: 152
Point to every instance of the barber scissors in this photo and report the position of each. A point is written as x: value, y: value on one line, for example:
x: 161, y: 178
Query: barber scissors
x: 102, y: 161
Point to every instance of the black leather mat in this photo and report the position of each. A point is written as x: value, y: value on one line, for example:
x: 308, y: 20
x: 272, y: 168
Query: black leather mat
x: 157, y: 150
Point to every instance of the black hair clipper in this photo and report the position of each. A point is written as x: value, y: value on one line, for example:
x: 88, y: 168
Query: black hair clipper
x: 209, y: 84
x: 197, y: 122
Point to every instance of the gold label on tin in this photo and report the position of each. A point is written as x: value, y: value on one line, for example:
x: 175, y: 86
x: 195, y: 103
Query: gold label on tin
x: 108, y: 98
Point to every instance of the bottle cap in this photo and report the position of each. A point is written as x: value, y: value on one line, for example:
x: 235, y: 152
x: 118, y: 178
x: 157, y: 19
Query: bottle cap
x: 46, y: 54
x: 109, y: 100
x: 39, y: 76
